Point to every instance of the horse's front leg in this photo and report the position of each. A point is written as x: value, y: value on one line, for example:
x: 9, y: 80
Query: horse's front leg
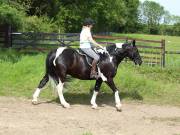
x: 96, y: 90
x: 111, y: 84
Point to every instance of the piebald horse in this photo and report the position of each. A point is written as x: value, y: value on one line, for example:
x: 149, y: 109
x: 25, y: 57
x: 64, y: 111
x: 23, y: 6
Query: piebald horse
x: 67, y: 61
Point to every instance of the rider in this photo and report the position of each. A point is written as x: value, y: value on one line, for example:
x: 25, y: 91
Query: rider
x: 87, y: 42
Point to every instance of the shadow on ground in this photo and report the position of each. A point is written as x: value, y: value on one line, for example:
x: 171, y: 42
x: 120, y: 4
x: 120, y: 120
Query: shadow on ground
x: 102, y: 98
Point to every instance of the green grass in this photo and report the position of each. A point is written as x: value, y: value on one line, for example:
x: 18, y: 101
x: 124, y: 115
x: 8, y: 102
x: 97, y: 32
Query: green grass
x: 87, y: 133
x: 20, y: 74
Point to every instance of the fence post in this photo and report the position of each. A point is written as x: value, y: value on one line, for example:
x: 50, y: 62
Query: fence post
x: 163, y: 53
x: 126, y: 39
x: 7, y: 36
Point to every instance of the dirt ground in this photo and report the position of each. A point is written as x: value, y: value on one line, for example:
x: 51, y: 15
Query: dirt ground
x: 20, y: 117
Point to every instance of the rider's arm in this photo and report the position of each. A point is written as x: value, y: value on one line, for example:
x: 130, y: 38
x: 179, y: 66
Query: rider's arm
x: 94, y: 42
x: 90, y: 39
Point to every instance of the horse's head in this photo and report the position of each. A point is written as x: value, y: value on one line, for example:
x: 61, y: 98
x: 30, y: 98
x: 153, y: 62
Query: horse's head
x: 129, y: 50
x: 132, y: 52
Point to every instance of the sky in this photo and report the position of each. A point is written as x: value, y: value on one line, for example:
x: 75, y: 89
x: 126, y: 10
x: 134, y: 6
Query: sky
x: 173, y: 6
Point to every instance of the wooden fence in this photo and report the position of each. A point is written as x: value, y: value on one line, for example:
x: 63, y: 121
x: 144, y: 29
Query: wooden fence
x: 41, y: 41
x: 151, y: 51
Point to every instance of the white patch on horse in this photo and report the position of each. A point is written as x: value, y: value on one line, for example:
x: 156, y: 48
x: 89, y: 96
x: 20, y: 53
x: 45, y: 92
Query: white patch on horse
x: 101, y: 75
x: 36, y: 95
x: 117, y: 100
x: 100, y: 50
x: 60, y: 93
x: 110, y: 58
x: 119, y: 45
x: 104, y: 51
x: 58, y: 52
x: 93, y: 100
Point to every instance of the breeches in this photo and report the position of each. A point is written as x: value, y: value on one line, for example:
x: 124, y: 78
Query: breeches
x: 90, y: 53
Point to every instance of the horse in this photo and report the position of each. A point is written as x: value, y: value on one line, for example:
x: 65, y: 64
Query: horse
x: 68, y: 61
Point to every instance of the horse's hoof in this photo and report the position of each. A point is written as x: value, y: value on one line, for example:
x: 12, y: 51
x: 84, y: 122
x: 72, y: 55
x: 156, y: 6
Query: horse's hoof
x: 119, y: 108
x: 94, y: 106
x: 34, y: 102
x: 66, y: 105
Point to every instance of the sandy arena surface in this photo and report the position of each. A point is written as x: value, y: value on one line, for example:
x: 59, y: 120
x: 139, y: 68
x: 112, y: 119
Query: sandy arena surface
x: 20, y: 117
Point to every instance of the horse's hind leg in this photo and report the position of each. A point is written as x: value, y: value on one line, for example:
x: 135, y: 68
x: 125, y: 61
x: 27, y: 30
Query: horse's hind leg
x: 42, y: 83
x: 60, y: 93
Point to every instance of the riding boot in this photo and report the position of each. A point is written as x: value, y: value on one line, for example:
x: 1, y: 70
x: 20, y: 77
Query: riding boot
x: 93, y: 69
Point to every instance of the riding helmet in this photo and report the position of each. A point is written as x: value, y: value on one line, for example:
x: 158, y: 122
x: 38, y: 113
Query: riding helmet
x: 88, y: 21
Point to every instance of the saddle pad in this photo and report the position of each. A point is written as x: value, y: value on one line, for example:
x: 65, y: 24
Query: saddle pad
x: 119, y: 45
x: 88, y: 58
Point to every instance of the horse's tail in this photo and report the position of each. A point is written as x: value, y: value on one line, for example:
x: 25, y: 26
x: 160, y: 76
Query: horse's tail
x: 50, y: 68
x: 49, y: 73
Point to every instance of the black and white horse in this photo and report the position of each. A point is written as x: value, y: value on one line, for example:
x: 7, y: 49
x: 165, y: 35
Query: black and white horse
x: 67, y: 61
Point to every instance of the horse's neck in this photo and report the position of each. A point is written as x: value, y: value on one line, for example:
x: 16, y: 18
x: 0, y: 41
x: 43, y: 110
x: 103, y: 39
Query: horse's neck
x: 118, y: 58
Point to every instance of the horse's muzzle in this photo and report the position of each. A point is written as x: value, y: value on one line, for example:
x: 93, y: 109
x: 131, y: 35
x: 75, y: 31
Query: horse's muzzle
x: 138, y: 62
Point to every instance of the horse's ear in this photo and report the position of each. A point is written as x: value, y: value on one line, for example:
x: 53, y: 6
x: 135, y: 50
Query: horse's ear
x: 134, y: 42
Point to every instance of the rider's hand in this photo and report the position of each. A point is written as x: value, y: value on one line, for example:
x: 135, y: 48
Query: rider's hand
x: 100, y: 47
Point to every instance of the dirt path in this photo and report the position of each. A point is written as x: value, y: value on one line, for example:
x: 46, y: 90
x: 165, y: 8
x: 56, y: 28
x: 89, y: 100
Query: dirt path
x: 20, y: 117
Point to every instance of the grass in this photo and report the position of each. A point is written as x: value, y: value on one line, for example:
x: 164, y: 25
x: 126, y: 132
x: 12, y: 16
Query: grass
x: 87, y: 133
x: 20, y: 74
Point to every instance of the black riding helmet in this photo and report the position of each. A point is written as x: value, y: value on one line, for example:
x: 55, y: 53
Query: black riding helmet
x: 88, y: 21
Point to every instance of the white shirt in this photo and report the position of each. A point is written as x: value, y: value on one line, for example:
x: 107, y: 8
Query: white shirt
x: 84, y: 37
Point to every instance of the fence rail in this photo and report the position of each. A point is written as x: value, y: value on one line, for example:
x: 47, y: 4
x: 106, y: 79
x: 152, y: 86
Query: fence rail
x: 35, y: 39
x: 151, y: 54
x: 172, y: 52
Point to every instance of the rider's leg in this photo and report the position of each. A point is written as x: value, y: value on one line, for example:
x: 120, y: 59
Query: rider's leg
x: 93, y: 69
x: 96, y: 58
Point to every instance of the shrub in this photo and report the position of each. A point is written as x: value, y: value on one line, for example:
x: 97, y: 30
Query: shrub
x: 39, y: 24
x: 11, y: 16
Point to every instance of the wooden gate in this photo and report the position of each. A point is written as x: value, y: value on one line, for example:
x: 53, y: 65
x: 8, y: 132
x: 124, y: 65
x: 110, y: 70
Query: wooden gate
x: 151, y: 51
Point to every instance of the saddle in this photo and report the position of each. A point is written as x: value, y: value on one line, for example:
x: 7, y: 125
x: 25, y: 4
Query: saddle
x: 89, y: 60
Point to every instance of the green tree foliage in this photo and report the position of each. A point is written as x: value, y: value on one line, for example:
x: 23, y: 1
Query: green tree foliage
x: 108, y: 15
x: 176, y: 29
x: 39, y: 24
x: 152, y: 13
x: 68, y: 15
x: 131, y: 15
x: 167, y: 18
x: 11, y: 16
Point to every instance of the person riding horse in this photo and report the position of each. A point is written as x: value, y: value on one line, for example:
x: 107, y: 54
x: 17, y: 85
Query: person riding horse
x: 87, y: 42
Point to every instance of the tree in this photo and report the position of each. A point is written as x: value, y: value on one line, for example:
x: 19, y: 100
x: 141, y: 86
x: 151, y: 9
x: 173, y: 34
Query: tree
x: 11, y: 16
x: 167, y: 18
x: 108, y: 15
x: 152, y: 13
x: 131, y: 15
x: 68, y: 15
